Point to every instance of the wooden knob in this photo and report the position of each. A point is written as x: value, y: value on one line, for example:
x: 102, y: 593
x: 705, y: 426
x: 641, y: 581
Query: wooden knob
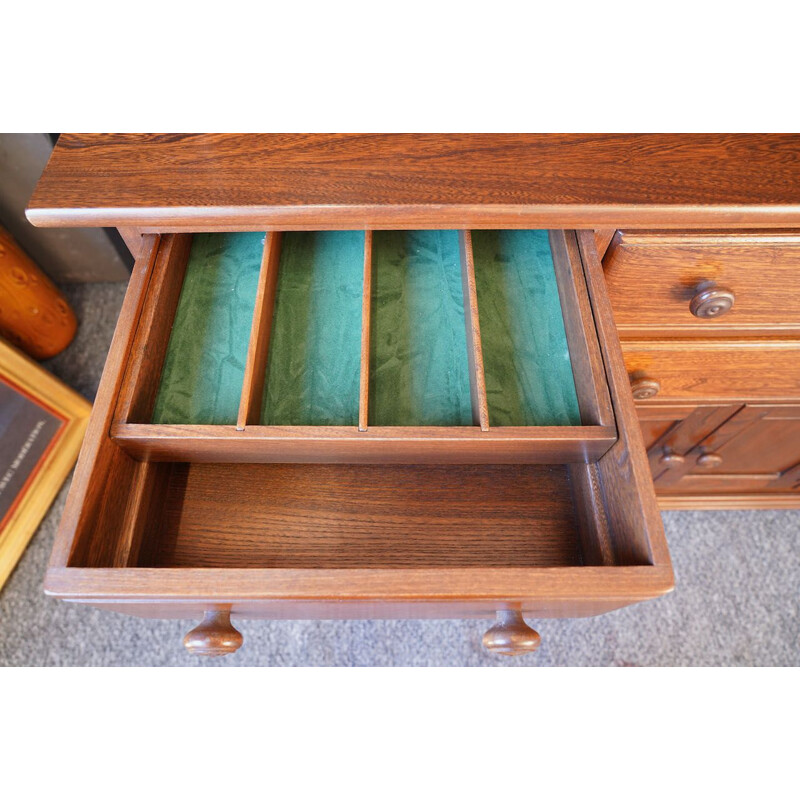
x: 214, y: 636
x: 709, y: 460
x: 644, y: 388
x: 711, y: 300
x: 510, y: 636
x: 671, y: 460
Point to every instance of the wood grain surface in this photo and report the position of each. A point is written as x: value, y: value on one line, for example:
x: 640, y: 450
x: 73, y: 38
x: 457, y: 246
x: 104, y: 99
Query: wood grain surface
x: 477, y: 377
x: 366, y: 326
x: 94, y: 501
x: 652, y: 276
x: 586, y: 360
x: 320, y: 516
x: 713, y: 501
x: 709, y: 370
x: 754, y: 449
x: 623, y: 471
x: 165, y: 182
x: 258, y: 347
x: 145, y: 360
x: 388, y: 445
x: 435, y: 593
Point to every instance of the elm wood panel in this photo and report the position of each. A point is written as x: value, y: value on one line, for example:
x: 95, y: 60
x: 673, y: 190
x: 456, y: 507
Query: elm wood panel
x: 729, y: 500
x: 543, y: 591
x: 652, y: 277
x: 329, y: 181
x: 584, y: 349
x: 147, y: 491
x: 656, y: 420
x: 320, y: 444
x: 353, y: 609
x: 477, y: 379
x: 758, y: 450
x: 366, y: 318
x: 760, y: 438
x: 677, y: 430
x: 318, y: 516
x: 718, y: 370
x: 258, y: 347
x: 145, y: 360
x: 97, y: 493
x: 623, y: 471
x: 594, y: 534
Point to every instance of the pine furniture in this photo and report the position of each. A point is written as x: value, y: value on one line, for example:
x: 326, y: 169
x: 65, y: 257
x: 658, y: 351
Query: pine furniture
x: 396, y: 375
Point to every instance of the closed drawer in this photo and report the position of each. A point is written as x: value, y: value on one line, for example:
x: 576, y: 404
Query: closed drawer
x: 710, y: 370
x: 709, y: 284
x: 354, y: 424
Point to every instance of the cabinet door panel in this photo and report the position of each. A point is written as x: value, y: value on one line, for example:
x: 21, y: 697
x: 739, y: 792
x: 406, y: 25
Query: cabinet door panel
x: 757, y: 449
x: 670, y: 432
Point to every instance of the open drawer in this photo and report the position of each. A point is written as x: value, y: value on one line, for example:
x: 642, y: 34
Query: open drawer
x: 344, y: 423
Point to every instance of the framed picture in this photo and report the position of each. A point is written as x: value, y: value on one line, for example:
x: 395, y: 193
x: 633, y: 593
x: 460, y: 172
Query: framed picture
x: 42, y: 423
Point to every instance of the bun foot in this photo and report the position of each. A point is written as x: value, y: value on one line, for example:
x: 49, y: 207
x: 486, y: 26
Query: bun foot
x: 214, y: 636
x: 510, y: 635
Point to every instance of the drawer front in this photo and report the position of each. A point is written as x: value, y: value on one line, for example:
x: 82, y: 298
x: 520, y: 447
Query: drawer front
x: 704, y: 284
x: 712, y: 370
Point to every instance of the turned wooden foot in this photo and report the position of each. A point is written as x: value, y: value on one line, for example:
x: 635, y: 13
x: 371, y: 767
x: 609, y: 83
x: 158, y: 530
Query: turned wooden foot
x: 214, y: 636
x: 510, y: 635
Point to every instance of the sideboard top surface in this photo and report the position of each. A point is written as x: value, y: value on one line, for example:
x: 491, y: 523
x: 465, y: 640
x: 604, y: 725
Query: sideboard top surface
x: 172, y: 182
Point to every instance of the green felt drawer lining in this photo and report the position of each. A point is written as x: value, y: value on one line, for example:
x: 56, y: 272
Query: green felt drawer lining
x: 419, y: 372
x: 526, y: 361
x: 314, y: 357
x: 201, y: 380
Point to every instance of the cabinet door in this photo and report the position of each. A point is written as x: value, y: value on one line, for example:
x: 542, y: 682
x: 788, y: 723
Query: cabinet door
x: 756, y: 450
x: 672, y: 432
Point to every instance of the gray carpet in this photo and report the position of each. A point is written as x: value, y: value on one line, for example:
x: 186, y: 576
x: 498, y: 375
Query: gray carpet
x: 737, y: 601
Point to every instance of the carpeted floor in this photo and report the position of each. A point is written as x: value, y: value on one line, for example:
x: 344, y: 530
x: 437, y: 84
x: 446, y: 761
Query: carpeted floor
x: 737, y: 601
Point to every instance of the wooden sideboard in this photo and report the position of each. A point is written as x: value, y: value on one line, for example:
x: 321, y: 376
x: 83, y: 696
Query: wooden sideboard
x: 710, y: 328
x: 442, y: 463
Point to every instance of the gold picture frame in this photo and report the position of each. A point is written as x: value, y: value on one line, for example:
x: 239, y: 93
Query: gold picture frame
x: 32, y: 490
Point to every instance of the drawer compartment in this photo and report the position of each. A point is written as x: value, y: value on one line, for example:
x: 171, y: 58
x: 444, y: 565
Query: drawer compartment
x: 362, y: 346
x: 680, y: 284
x: 419, y: 371
x: 311, y: 374
x: 710, y: 370
x: 267, y: 520
x: 529, y: 378
x: 324, y: 516
x: 201, y: 380
x: 542, y: 532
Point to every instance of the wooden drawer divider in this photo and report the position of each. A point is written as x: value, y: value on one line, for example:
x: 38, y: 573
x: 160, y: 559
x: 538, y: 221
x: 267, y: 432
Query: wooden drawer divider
x: 477, y: 379
x: 258, y: 349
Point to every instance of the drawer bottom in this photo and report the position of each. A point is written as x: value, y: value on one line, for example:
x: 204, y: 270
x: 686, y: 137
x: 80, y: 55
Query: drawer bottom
x: 319, y: 516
